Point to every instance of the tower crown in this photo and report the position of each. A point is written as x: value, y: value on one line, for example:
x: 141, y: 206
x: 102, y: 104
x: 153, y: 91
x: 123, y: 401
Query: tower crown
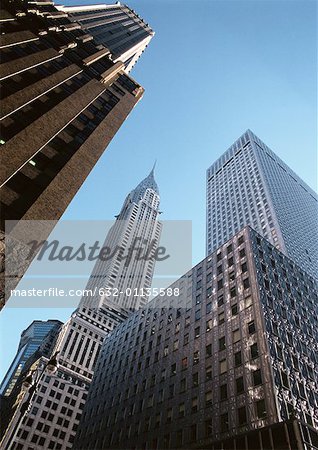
x: 148, y: 183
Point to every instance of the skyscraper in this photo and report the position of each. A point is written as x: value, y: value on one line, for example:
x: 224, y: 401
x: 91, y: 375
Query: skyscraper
x: 232, y: 365
x: 136, y: 226
x: 57, y: 406
x: 30, y: 341
x: 63, y: 100
x: 250, y: 185
x: 116, y: 26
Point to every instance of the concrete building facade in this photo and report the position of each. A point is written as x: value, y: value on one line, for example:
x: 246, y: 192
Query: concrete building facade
x: 228, y: 363
x: 250, y: 185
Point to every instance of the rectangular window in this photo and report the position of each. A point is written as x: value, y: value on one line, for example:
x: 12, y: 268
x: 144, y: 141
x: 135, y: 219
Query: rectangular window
x: 194, y: 405
x: 222, y: 343
x: 196, y: 357
x: 208, y: 428
x: 251, y: 327
x: 224, y: 422
x: 239, y: 382
x: 208, y: 373
x: 181, y: 410
x: 261, y: 409
x: 208, y: 350
x: 209, y: 325
x: 195, y: 379
x: 257, y: 377
x: 254, y: 350
x: 208, y: 398
x: 236, y: 335
x: 238, y: 358
x: 223, y: 366
x: 242, y: 416
x: 223, y: 392
x: 184, y: 363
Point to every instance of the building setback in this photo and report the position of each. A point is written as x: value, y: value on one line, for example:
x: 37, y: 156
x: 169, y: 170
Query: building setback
x: 56, y: 408
x: 116, y: 26
x: 250, y: 185
x: 229, y: 363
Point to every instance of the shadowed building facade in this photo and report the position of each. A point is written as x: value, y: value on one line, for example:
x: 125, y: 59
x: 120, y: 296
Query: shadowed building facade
x: 250, y: 185
x: 63, y: 100
x: 228, y: 363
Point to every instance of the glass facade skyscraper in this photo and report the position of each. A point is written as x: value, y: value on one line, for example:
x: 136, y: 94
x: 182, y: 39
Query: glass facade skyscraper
x: 31, y: 340
x: 250, y: 185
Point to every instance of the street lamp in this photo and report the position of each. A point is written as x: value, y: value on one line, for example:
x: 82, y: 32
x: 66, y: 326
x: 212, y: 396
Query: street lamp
x: 29, y: 385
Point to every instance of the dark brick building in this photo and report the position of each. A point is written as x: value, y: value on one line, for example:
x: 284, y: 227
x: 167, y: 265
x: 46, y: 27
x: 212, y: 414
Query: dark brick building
x: 228, y: 363
x: 63, y: 99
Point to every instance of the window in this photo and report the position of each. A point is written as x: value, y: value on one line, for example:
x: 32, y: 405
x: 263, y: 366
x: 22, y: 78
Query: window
x: 261, y: 409
x: 193, y: 432
x: 173, y: 369
x: 236, y: 335
x: 208, y: 428
x: 195, y: 379
x: 209, y: 325
x: 257, y: 377
x: 194, y: 404
x: 224, y: 422
x: 181, y: 410
x: 183, y: 385
x: 223, y: 366
x: 246, y: 283
x: 179, y: 437
x: 169, y: 415
x: 233, y: 292
x: 184, y: 363
x: 208, y: 350
x: 251, y: 327
x: 242, y: 417
x: 254, y: 350
x: 197, y: 314
x: 222, y: 343
x: 196, y: 357
x: 208, y: 308
x: 186, y: 339
x: 242, y: 253
x: 208, y: 373
x: 238, y: 358
x: 221, y: 318
x: 234, y: 309
x: 223, y: 392
x: 197, y: 332
x: 176, y: 345
x: 208, y: 398
x: 239, y: 385
x: 220, y: 300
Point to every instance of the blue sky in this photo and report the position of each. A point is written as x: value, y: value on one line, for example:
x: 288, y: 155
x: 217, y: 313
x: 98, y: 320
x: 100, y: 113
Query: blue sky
x: 213, y: 69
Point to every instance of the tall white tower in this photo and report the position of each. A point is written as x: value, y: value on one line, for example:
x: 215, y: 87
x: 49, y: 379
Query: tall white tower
x: 135, y: 234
